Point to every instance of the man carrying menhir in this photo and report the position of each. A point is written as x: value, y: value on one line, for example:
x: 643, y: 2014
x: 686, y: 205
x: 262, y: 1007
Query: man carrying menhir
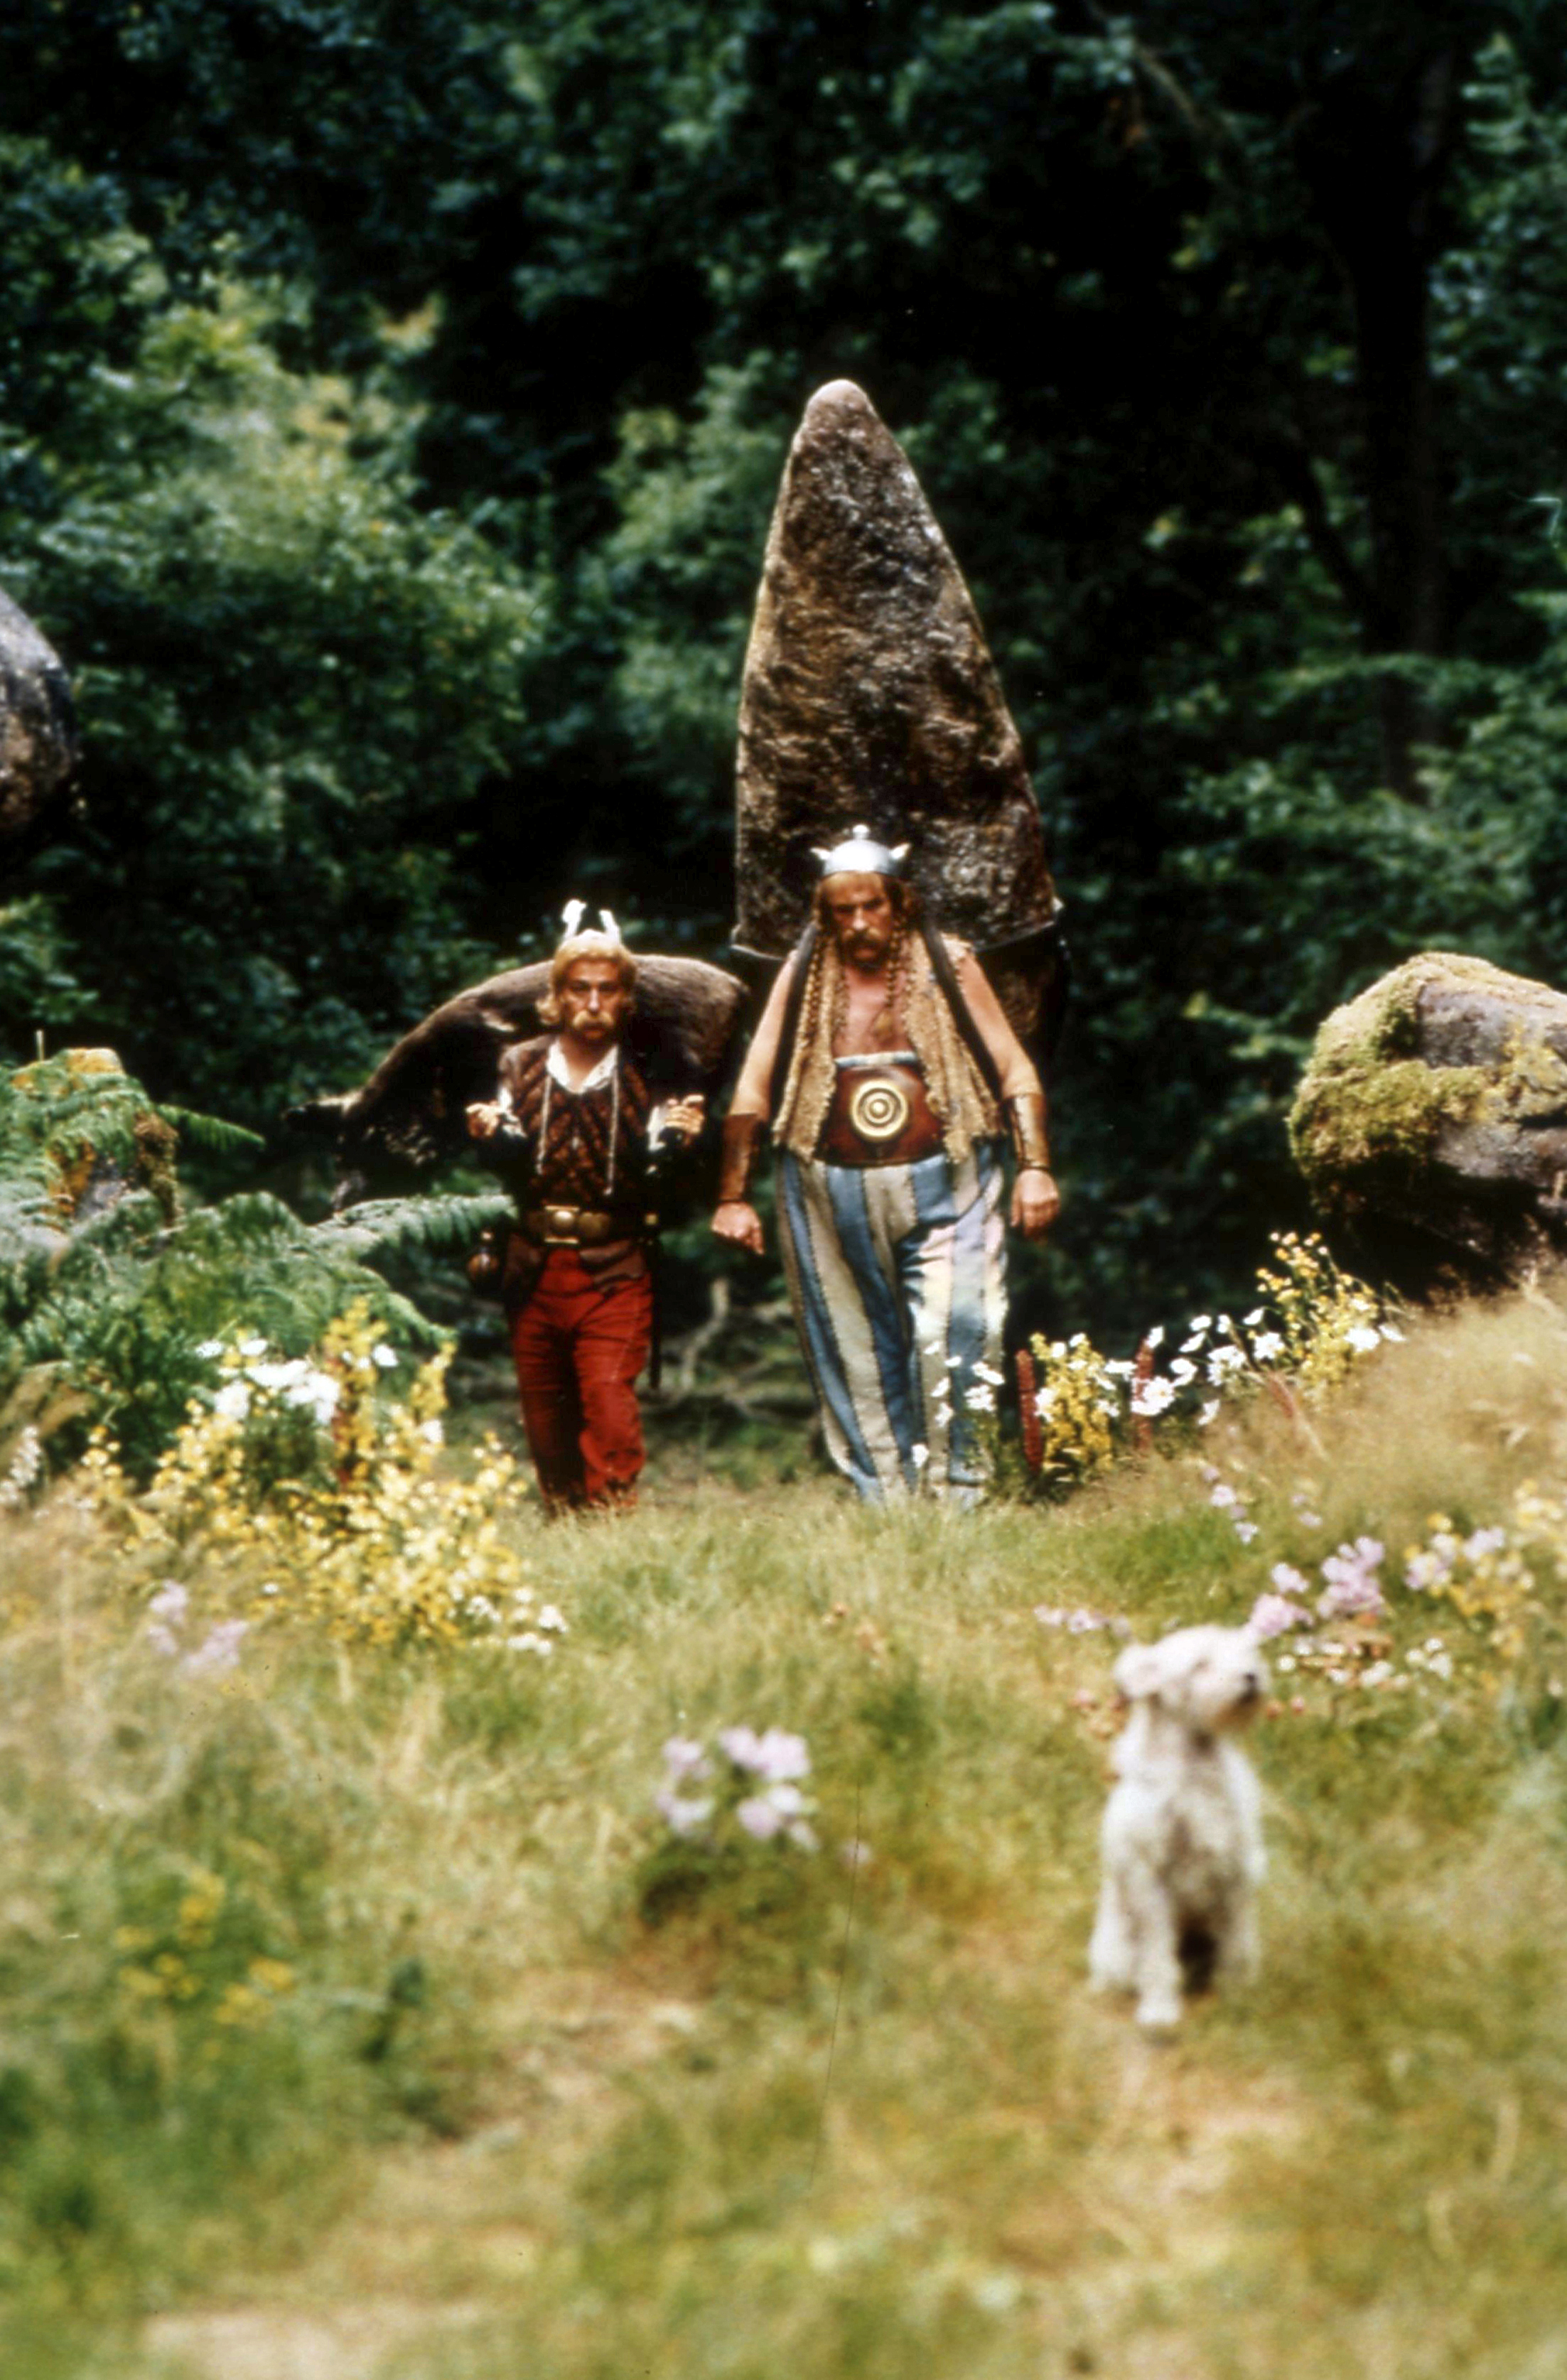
x: 574, y: 1135
x: 884, y: 1063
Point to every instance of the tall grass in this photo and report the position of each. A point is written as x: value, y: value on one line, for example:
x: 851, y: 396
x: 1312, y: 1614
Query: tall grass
x: 332, y: 1992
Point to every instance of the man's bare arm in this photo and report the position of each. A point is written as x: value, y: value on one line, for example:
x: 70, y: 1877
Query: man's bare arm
x: 1036, y: 1202
x: 752, y: 1092
x: 735, y: 1217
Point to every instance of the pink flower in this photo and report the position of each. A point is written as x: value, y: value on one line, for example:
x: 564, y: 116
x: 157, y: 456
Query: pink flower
x: 776, y: 1755
x: 1271, y: 1614
x: 1353, y: 1584
x: 682, y: 1817
x: 781, y: 1810
x: 220, y: 1650
x: 683, y: 1758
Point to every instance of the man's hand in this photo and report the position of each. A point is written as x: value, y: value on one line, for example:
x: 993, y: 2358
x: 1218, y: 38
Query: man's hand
x: 1036, y: 1202
x: 484, y: 1119
x: 737, y: 1221
x: 685, y: 1116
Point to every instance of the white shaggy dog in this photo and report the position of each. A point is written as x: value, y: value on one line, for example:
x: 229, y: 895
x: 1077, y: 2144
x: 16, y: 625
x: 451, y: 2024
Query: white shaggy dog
x: 1181, y: 1841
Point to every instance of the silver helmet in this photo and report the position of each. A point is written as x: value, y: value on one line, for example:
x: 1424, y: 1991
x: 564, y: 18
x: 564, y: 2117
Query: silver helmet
x: 861, y: 855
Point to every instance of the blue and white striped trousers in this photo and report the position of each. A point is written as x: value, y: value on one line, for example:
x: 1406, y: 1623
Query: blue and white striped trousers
x: 899, y: 1292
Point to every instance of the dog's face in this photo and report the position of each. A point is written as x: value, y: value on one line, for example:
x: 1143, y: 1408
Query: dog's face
x: 1209, y: 1679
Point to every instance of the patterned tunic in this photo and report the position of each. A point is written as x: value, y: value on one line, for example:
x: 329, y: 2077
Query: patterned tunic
x: 580, y: 1316
x: 594, y: 1146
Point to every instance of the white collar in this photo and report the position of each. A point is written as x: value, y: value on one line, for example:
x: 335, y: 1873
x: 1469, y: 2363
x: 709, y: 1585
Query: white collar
x: 603, y: 1073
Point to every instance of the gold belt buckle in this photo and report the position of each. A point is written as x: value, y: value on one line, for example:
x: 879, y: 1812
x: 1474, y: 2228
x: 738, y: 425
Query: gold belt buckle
x: 880, y: 1109
x: 560, y: 1225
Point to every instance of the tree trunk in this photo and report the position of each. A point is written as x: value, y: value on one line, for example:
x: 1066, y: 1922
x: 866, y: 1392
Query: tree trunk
x: 1375, y: 150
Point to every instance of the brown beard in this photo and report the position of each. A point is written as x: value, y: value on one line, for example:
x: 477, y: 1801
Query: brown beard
x: 888, y: 965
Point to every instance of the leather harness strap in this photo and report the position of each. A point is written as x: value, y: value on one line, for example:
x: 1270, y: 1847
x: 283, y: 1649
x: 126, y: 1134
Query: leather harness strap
x: 974, y: 1041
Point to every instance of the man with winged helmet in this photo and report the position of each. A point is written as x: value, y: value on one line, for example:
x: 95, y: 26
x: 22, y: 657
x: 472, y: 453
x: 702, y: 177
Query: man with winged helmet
x: 890, y: 1077
x: 574, y: 1134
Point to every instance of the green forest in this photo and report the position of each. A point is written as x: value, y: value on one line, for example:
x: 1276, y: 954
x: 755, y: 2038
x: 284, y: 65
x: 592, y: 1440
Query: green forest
x: 444, y: 1936
x: 393, y: 399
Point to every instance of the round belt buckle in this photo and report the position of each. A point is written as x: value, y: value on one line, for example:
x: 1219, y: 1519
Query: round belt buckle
x: 561, y: 1220
x: 880, y: 1109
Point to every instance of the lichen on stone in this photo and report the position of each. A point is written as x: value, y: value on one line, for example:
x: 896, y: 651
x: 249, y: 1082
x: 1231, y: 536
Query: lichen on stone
x: 1532, y: 1077
x: 1366, y: 1105
x: 95, y: 1131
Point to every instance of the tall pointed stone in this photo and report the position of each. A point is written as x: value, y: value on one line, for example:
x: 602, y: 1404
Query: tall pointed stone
x: 38, y: 747
x: 869, y: 693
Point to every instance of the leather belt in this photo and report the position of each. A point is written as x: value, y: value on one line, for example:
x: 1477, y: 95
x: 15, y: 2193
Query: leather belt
x: 583, y: 1227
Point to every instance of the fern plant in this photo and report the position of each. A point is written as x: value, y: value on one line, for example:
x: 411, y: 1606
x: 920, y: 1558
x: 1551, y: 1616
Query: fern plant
x: 109, y: 1292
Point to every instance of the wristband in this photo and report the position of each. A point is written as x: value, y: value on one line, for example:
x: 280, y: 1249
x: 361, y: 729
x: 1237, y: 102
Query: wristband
x: 1025, y: 1120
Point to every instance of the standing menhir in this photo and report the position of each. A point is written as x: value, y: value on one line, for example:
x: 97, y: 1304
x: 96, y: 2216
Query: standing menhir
x: 869, y: 693
x: 1182, y: 1841
x: 884, y: 807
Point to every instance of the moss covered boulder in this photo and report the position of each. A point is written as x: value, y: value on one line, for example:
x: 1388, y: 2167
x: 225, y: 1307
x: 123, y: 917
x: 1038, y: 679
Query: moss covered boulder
x: 78, y: 1128
x: 1431, y: 1122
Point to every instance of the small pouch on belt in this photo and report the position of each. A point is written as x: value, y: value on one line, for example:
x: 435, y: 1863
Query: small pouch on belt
x: 485, y: 1266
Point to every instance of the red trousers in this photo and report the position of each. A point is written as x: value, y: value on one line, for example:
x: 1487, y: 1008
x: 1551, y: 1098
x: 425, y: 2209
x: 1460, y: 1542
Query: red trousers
x: 580, y: 1345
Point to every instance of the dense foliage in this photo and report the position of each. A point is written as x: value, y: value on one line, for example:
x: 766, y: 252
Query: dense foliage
x: 115, y: 1298
x: 391, y: 405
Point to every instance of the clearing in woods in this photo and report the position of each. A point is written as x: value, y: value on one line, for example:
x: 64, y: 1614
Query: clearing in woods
x: 364, y: 2022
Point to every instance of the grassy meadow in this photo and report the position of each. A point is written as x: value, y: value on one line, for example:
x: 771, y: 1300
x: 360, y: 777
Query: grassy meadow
x: 360, y: 2019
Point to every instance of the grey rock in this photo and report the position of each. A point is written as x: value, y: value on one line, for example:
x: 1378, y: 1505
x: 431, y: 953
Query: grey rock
x: 38, y: 741
x: 869, y: 695
x: 1432, y: 1122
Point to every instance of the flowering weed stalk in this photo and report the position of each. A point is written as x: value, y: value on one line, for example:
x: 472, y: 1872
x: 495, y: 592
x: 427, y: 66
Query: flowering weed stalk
x: 321, y: 1488
x: 1080, y: 1409
x: 24, y: 1473
x: 1327, y: 1321
x: 736, y: 1817
x: 1492, y: 1577
x: 1496, y: 1582
x: 1074, y: 1410
x: 190, y: 1939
